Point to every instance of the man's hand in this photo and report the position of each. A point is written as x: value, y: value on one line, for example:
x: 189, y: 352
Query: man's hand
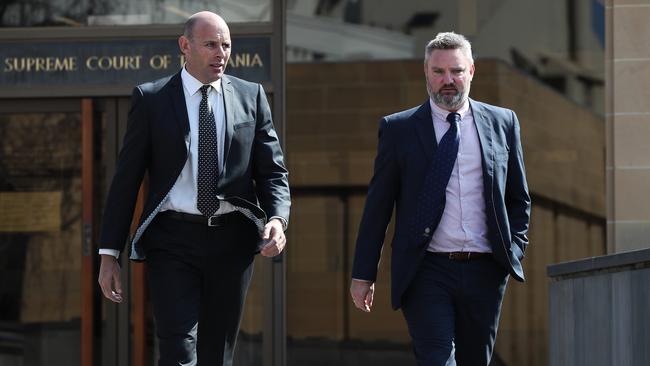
x: 109, y: 278
x: 362, y: 294
x: 274, y: 237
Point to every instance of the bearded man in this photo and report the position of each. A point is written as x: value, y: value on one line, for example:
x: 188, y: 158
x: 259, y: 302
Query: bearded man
x: 453, y: 170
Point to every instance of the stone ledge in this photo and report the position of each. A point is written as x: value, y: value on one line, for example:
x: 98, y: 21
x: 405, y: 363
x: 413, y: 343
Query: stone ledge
x: 612, y: 262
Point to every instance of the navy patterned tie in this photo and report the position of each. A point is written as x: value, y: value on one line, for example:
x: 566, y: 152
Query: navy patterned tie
x: 431, y: 202
x: 207, y: 201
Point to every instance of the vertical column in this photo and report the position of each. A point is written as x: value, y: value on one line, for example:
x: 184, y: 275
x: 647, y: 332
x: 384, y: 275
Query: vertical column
x: 274, y: 342
x: 627, y: 67
x: 88, y: 278
x: 138, y: 293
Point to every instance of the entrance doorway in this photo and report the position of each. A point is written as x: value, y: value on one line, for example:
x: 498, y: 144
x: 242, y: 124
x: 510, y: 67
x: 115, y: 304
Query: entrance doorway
x: 42, y: 228
x: 57, y: 158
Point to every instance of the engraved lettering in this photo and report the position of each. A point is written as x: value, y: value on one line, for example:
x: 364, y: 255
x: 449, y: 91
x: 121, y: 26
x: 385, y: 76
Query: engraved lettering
x: 90, y: 63
x: 39, y: 64
x: 256, y: 61
x: 30, y: 63
x: 160, y: 62
x: 65, y: 64
x: 245, y: 60
x: 106, y: 63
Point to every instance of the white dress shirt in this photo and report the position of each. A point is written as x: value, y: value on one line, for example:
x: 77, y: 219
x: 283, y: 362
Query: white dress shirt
x: 463, y: 226
x: 182, y: 196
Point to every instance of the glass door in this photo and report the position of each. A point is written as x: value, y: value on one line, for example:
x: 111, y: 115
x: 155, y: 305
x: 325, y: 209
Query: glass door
x: 40, y: 232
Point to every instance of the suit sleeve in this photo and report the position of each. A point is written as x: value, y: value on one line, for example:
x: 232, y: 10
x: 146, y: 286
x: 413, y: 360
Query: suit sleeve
x: 382, y: 193
x: 270, y: 173
x: 131, y: 165
x: 517, y: 198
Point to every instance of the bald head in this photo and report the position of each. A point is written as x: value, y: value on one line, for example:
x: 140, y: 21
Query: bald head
x: 202, y: 18
x: 206, y: 45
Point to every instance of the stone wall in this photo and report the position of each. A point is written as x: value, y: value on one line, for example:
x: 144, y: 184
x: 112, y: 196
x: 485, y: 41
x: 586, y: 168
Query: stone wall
x: 333, y: 110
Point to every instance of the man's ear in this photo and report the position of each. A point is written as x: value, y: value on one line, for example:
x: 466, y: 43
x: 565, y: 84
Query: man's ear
x: 183, y: 44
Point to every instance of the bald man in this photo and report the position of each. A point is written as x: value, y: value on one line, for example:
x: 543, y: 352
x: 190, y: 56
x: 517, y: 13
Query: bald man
x: 218, y: 194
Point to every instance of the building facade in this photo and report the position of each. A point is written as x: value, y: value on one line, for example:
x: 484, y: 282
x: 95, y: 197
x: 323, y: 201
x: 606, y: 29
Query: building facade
x: 68, y: 69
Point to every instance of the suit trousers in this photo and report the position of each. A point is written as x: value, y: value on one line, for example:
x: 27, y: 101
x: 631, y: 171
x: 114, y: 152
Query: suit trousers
x: 452, y: 310
x: 198, y: 277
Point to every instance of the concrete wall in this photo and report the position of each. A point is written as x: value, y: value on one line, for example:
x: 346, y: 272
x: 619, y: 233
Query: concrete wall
x: 333, y: 110
x: 599, y: 311
x: 627, y: 65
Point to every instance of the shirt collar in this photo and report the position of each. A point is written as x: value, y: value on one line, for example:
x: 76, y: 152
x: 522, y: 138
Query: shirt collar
x: 192, y: 85
x: 442, y: 113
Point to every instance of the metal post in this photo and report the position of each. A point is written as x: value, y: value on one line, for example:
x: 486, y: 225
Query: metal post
x: 275, y: 333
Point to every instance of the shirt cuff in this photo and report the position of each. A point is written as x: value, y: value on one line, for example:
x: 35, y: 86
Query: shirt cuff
x: 114, y: 252
x: 282, y: 220
x: 360, y: 280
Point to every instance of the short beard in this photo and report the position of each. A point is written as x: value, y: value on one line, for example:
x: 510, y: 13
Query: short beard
x: 450, y: 102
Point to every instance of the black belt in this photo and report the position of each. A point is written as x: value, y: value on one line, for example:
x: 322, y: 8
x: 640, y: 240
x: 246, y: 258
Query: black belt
x: 214, y: 221
x: 462, y: 256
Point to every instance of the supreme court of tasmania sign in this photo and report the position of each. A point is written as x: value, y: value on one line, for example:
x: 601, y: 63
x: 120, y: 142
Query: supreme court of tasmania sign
x: 116, y: 62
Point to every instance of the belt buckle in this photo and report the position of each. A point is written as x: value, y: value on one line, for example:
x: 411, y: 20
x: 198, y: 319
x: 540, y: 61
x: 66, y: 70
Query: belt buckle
x: 214, y: 221
x: 459, y: 256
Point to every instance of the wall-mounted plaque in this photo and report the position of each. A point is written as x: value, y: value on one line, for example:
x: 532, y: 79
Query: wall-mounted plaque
x: 30, y: 211
x: 115, y: 62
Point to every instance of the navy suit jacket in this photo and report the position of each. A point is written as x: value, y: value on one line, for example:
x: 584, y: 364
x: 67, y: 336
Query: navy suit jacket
x: 157, y: 142
x: 406, y: 146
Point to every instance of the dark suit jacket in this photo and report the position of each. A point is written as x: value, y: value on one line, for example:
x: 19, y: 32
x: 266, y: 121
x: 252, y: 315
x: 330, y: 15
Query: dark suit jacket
x: 405, y: 150
x: 157, y: 141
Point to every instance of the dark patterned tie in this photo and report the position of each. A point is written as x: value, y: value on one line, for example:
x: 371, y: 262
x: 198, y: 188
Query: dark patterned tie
x: 431, y: 202
x: 207, y: 201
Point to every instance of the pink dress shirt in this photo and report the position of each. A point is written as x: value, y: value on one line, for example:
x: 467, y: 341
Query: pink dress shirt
x: 463, y: 226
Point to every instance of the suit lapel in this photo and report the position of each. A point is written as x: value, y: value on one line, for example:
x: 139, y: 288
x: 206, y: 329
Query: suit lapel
x: 228, y: 98
x: 424, y: 126
x: 484, y: 129
x: 178, y: 101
